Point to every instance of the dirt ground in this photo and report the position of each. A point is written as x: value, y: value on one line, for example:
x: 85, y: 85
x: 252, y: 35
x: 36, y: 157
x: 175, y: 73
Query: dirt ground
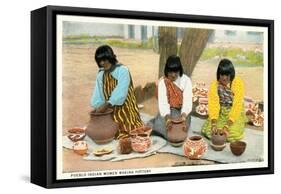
x: 79, y: 73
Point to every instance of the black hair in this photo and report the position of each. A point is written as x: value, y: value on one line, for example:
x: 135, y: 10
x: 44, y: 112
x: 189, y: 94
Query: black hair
x: 226, y: 68
x: 105, y: 52
x: 173, y: 64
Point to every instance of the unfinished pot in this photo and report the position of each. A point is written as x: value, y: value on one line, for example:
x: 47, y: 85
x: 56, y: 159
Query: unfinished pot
x: 217, y: 147
x: 218, y: 138
x: 194, y: 147
x: 177, y: 133
x: 102, y: 128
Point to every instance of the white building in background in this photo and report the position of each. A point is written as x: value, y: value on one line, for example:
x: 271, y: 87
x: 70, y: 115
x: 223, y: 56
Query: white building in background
x: 139, y: 32
x: 92, y: 29
x: 143, y: 33
x: 223, y: 36
x: 136, y: 32
x: 227, y: 36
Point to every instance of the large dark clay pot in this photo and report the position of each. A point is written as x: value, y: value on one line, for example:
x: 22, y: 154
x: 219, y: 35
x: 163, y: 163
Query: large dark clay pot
x: 177, y: 134
x: 102, y: 128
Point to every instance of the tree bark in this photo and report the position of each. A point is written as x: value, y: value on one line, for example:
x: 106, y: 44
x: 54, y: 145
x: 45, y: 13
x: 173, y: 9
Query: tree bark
x: 167, y: 46
x: 192, y: 47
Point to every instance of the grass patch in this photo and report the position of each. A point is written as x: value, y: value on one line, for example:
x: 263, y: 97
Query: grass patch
x: 237, y: 55
x: 112, y: 40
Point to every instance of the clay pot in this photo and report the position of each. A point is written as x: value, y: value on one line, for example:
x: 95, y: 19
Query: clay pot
x: 217, y: 147
x: 238, y: 147
x: 76, y: 130
x: 102, y: 128
x: 145, y: 130
x: 218, y: 138
x: 80, y: 147
x: 177, y: 133
x: 124, y: 146
x: 76, y: 137
x: 140, y: 139
x: 141, y: 143
x: 81, y: 152
x: 194, y: 147
x: 76, y: 134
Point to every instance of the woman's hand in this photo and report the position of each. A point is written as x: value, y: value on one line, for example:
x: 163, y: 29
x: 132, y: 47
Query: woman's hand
x: 168, y: 120
x: 214, y: 128
x: 103, y: 108
x: 183, y: 116
x: 225, y: 128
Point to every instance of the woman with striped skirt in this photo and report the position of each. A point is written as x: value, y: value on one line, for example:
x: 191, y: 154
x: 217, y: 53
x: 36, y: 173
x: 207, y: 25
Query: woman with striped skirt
x: 114, y: 89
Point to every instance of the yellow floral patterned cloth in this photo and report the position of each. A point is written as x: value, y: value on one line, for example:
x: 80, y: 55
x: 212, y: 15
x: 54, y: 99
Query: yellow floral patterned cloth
x: 236, y: 130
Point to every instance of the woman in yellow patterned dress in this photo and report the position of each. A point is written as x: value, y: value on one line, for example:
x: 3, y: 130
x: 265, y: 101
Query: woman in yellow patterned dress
x: 226, y: 104
x: 114, y: 89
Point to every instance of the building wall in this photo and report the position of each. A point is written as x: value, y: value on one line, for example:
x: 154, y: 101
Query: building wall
x: 237, y: 36
x: 126, y: 31
x: 149, y: 31
x: 138, y: 33
x: 92, y: 29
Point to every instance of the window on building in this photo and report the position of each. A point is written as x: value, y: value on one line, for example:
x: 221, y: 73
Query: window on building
x: 143, y: 33
x: 230, y: 32
x: 254, y: 33
x: 131, y: 29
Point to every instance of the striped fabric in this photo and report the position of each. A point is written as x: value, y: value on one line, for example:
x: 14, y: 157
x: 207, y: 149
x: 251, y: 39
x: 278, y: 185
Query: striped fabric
x: 225, y: 95
x: 174, y: 94
x: 126, y: 115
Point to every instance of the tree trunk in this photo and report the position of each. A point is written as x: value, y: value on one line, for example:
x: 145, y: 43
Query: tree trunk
x: 192, y: 46
x: 167, y: 46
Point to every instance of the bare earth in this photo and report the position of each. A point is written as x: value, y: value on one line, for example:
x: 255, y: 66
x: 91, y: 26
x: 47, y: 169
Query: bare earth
x: 79, y: 73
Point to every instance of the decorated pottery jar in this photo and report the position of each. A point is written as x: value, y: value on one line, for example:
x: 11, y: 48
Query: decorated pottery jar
x: 194, y: 147
x: 140, y: 139
x: 141, y: 130
x: 140, y: 143
x: 76, y: 134
x: 80, y: 147
x: 102, y: 128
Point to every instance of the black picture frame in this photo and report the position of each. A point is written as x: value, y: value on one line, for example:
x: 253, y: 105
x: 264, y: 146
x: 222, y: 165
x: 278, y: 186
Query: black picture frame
x: 43, y: 95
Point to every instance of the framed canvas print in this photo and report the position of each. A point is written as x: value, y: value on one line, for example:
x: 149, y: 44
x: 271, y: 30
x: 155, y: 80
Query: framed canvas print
x: 125, y: 96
